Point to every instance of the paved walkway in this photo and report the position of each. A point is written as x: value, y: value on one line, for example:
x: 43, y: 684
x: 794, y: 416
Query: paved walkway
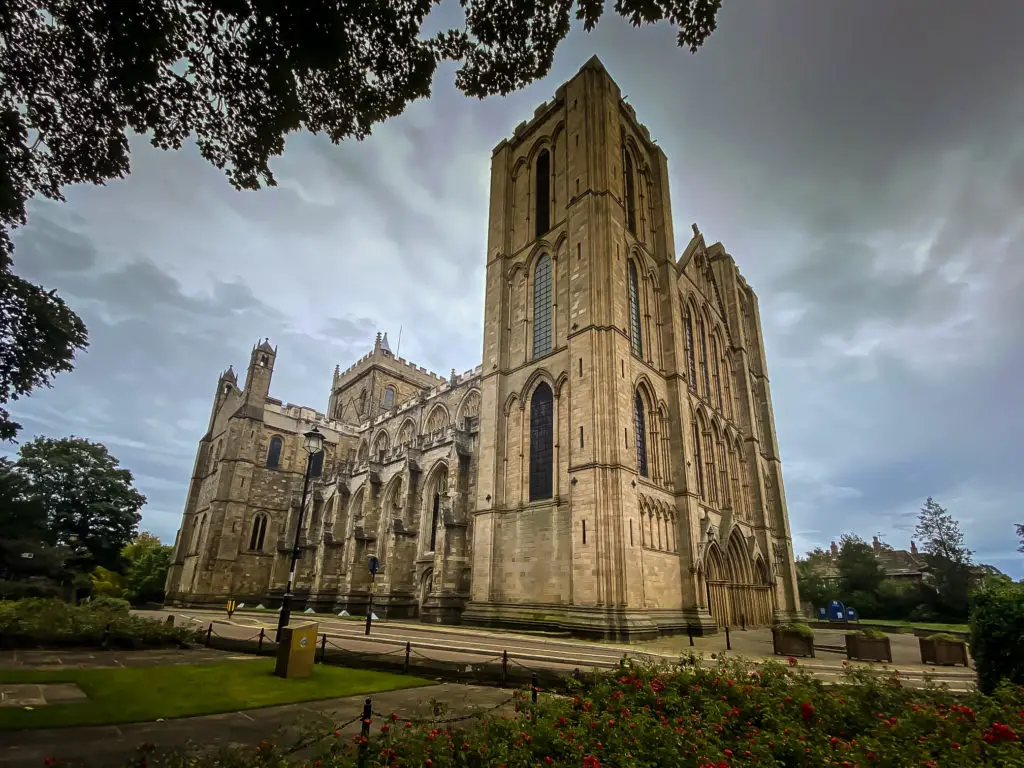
x: 113, y: 745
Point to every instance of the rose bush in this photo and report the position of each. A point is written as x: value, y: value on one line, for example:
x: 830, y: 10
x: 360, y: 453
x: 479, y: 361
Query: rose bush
x: 737, y: 714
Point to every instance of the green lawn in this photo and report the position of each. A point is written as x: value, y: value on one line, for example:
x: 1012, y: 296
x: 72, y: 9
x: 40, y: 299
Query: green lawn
x: 908, y: 625
x: 127, y: 695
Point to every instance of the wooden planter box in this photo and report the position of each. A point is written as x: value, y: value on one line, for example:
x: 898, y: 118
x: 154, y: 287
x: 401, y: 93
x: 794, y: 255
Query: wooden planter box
x: 860, y: 648
x: 944, y: 653
x: 786, y: 643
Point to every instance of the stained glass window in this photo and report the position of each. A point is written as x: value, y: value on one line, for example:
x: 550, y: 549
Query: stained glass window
x: 635, y: 339
x: 640, y: 434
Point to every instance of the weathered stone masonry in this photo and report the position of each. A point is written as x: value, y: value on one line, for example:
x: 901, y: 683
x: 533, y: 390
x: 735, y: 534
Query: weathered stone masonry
x: 611, y: 467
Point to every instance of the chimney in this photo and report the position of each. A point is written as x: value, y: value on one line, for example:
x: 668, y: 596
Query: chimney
x: 876, y: 544
x: 834, y: 549
x: 913, y: 547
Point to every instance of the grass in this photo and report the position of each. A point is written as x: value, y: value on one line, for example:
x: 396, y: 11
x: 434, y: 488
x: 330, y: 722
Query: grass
x: 910, y: 625
x: 137, y: 694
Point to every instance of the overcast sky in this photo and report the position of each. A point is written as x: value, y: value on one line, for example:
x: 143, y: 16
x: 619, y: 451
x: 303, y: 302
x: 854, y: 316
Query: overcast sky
x: 863, y: 162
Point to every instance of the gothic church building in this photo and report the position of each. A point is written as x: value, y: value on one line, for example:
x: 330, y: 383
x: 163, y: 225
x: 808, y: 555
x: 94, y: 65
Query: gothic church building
x: 611, y: 468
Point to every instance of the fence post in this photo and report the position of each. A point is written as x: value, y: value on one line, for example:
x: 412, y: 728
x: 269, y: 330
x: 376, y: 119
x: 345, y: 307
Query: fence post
x: 364, y: 731
x: 689, y: 631
x: 504, y: 668
x: 533, y: 686
x: 743, y: 622
x: 728, y: 643
x: 106, y: 636
x: 209, y: 634
x: 408, y: 650
x: 259, y: 646
x: 323, y: 647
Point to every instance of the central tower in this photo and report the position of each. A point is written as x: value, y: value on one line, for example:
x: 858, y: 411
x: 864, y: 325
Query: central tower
x: 574, y: 358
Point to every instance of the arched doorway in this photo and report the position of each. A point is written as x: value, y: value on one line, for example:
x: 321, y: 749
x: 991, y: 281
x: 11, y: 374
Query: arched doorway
x: 738, y: 591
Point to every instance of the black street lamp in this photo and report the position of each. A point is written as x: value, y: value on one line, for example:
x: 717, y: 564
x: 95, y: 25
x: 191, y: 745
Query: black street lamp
x: 313, y: 442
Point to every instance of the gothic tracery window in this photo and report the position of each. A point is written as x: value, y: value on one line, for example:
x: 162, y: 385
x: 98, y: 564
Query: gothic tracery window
x: 630, y: 192
x: 635, y: 339
x: 388, y: 399
x: 542, y: 295
x: 640, y: 433
x: 691, y: 359
x: 274, y: 453
x: 541, y: 442
x: 259, y: 532
x: 542, y: 191
x: 698, y: 461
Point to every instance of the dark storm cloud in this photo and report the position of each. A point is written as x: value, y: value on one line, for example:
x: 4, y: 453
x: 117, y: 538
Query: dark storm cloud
x: 863, y: 162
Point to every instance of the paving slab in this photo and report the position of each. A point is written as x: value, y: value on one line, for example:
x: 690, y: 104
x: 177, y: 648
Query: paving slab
x: 39, y: 695
x: 72, y: 658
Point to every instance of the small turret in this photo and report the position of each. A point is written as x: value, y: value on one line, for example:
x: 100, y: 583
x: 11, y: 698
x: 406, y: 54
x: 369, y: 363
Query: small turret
x: 261, y: 370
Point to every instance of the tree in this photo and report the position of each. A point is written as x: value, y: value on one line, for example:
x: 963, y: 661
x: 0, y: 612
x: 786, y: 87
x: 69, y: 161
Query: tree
x: 859, y: 570
x: 90, y: 502
x: 1020, y: 535
x: 815, y: 578
x: 948, y: 558
x: 237, y: 75
x: 147, y: 562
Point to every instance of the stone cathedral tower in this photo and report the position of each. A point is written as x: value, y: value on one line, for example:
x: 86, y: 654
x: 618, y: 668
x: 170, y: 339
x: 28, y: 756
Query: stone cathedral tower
x: 614, y: 496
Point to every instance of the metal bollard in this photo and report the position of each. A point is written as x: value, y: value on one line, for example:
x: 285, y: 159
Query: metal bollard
x: 743, y: 622
x: 728, y: 643
x: 323, y: 647
x: 209, y: 634
x: 259, y: 645
x: 689, y: 631
x: 106, y: 636
x: 533, y: 686
x: 504, y: 668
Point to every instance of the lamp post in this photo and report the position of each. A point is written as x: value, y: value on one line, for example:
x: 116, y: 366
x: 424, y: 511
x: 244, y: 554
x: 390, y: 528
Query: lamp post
x: 313, y: 442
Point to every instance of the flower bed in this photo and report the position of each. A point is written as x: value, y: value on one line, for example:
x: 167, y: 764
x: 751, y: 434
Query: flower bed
x: 51, y: 623
x: 737, y: 714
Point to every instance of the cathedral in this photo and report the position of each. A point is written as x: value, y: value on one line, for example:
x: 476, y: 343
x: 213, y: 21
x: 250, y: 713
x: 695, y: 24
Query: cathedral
x: 610, y: 468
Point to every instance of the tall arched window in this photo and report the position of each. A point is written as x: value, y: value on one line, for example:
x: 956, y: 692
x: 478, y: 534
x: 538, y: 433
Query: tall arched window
x: 316, y: 467
x: 635, y: 339
x: 691, y: 358
x: 362, y: 403
x: 435, y: 513
x: 274, y: 453
x: 541, y: 442
x: 702, y: 339
x: 698, y: 461
x: 716, y: 373
x: 723, y: 472
x: 630, y: 193
x: 388, y: 399
x: 543, y: 192
x: 640, y: 434
x: 727, y: 388
x: 542, y: 306
x: 259, y: 533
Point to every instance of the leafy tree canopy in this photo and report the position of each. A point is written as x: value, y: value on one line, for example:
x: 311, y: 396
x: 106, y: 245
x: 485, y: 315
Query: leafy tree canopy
x: 1020, y: 535
x: 859, y: 570
x: 237, y: 76
x: 90, y: 501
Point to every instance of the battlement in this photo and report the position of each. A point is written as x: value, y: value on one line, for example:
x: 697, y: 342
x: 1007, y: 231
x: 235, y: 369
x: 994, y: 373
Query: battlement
x: 308, y: 415
x: 467, y: 379
x: 371, y: 357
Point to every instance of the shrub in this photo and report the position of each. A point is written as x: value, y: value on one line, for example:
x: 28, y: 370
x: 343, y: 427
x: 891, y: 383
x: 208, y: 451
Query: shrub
x: 997, y: 634
x: 18, y: 590
x: 945, y: 637
x: 107, y: 603
x: 49, y: 623
x: 733, y: 715
x: 871, y: 634
x: 798, y: 629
